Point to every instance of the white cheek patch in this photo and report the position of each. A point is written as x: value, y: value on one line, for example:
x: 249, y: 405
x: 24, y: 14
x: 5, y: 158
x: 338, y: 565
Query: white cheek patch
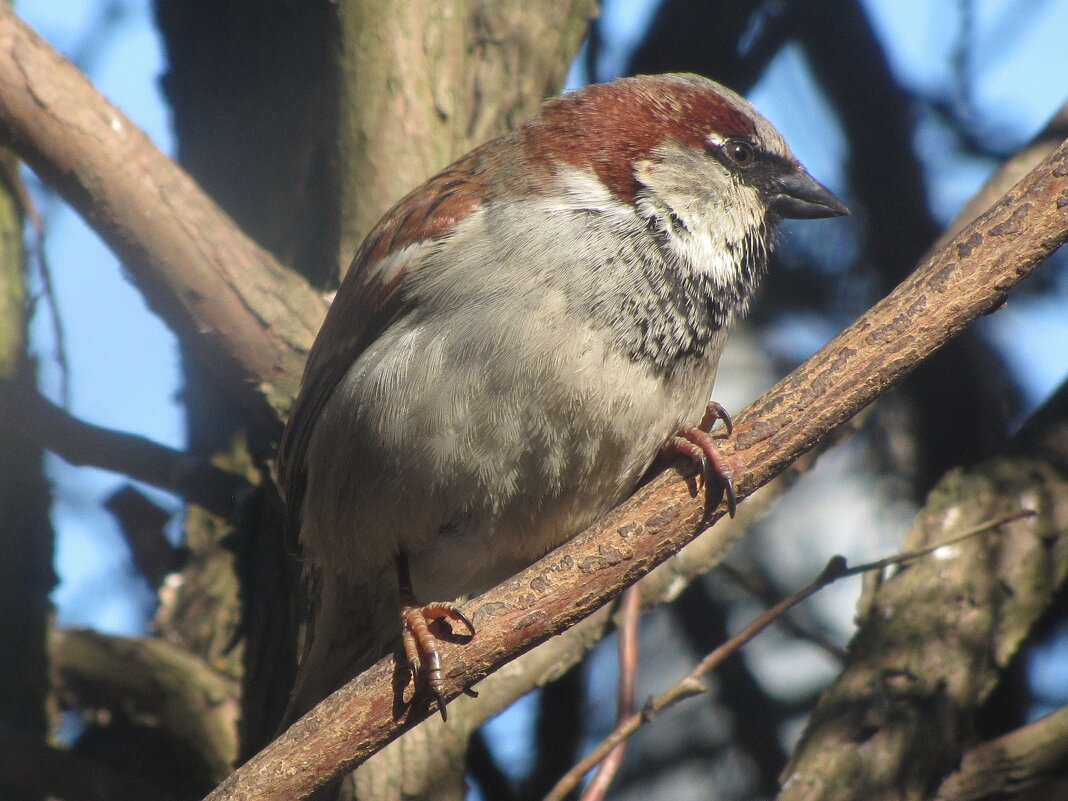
x: 716, y: 237
x: 721, y: 217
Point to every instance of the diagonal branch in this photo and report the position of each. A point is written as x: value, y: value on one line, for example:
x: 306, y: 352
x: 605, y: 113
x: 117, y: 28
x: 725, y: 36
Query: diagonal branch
x: 1027, y: 760
x: 245, y: 315
x: 967, y: 279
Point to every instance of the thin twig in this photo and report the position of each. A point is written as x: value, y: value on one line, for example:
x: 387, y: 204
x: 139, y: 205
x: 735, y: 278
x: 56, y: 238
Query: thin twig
x: 16, y: 187
x: 628, y: 669
x: 760, y: 588
x: 691, y: 684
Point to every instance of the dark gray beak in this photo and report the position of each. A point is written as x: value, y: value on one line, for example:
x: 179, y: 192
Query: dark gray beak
x: 798, y: 196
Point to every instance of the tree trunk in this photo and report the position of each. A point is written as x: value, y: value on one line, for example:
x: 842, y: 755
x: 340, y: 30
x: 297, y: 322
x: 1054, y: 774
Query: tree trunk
x: 26, y: 576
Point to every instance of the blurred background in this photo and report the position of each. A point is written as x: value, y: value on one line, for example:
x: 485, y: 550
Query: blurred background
x: 902, y: 107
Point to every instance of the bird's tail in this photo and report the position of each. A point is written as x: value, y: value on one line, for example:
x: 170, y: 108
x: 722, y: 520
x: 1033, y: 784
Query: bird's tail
x: 350, y: 627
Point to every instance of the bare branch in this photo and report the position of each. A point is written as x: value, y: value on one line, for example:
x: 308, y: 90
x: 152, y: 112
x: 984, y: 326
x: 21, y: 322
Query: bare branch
x: 31, y: 415
x: 1045, y: 142
x: 628, y: 679
x: 1020, y: 762
x: 934, y: 638
x: 691, y: 684
x: 155, y: 682
x: 966, y: 280
x: 246, y: 316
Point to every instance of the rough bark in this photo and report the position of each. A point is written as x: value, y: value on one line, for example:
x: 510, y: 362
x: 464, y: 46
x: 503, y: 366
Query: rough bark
x: 759, y: 434
x: 158, y: 685
x: 904, y: 710
x: 242, y: 315
x: 421, y: 84
x: 1028, y: 763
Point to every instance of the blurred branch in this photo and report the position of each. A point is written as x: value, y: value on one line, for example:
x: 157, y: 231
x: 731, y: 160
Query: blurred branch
x: 878, y: 119
x: 143, y: 528
x: 627, y: 635
x: 708, y: 38
x: 54, y: 773
x: 900, y: 709
x: 26, y: 413
x: 691, y: 684
x: 27, y: 550
x: 848, y: 59
x: 247, y: 317
x: 755, y: 714
x: 156, y: 682
x: 483, y: 769
x: 1022, y: 761
x: 557, y: 733
x: 966, y: 280
x: 934, y: 638
x: 760, y: 586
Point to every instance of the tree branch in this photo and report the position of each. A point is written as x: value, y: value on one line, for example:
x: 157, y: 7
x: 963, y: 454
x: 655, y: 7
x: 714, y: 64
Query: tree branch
x: 966, y: 280
x: 693, y: 682
x: 1023, y: 761
x: 156, y: 682
x: 933, y: 639
x: 28, y: 414
x: 250, y: 319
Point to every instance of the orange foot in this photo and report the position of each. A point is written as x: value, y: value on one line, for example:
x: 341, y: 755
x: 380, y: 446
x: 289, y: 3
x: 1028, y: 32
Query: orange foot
x: 420, y: 644
x: 697, y: 445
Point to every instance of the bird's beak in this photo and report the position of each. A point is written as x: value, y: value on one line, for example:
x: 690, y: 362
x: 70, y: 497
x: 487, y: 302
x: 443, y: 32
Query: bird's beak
x: 798, y: 196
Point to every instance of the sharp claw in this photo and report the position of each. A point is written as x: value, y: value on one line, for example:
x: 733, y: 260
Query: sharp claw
x: 731, y: 495
x: 727, y: 423
x: 464, y: 619
x: 441, y: 706
x: 420, y: 644
x: 695, y: 443
x: 713, y: 412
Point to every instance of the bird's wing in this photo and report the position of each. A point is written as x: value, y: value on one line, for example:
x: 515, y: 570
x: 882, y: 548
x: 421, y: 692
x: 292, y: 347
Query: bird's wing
x: 370, y: 299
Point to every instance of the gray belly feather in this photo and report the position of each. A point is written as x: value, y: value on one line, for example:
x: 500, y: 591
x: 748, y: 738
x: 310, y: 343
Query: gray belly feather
x: 474, y: 472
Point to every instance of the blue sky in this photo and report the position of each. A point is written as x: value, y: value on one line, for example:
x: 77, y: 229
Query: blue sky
x: 123, y: 361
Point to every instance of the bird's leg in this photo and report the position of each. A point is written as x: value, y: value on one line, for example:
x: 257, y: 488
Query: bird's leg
x: 420, y: 644
x: 696, y: 444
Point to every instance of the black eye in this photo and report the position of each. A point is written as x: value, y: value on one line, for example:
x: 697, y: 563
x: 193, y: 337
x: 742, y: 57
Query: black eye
x: 740, y: 152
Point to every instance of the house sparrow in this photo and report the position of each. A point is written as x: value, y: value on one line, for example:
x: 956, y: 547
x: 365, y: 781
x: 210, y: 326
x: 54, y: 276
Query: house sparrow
x: 514, y: 343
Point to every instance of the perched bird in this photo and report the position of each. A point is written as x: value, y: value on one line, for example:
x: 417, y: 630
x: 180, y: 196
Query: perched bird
x: 515, y: 342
